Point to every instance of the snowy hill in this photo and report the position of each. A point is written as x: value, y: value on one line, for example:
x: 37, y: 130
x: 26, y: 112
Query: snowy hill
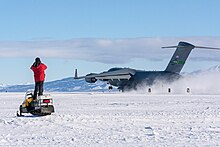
x: 209, y: 70
x: 63, y: 85
x: 215, y: 68
x: 71, y: 85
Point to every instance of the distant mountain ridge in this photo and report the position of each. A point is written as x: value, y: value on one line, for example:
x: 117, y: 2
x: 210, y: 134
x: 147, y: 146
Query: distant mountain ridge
x: 215, y: 68
x: 63, y: 85
x: 71, y: 85
x: 209, y: 70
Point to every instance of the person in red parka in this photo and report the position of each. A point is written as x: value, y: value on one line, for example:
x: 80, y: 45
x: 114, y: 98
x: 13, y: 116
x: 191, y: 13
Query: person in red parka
x: 39, y: 76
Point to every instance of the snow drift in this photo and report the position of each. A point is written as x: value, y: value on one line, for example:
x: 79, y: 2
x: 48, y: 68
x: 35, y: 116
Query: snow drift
x: 198, y: 82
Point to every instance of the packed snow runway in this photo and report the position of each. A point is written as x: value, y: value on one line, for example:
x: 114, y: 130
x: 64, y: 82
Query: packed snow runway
x: 114, y: 119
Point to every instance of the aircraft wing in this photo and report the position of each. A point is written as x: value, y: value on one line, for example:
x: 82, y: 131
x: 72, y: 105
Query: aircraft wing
x: 120, y: 74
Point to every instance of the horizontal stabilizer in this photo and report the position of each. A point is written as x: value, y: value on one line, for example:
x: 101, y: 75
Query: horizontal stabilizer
x: 203, y: 47
x: 200, y: 47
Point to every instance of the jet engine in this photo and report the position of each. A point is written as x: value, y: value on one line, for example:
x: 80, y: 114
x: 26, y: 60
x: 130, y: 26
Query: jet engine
x: 91, y: 80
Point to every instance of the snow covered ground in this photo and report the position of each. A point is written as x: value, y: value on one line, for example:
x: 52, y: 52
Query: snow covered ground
x: 114, y: 119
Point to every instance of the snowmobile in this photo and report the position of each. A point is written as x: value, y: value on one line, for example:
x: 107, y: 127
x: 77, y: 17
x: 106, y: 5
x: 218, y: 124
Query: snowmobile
x: 42, y: 106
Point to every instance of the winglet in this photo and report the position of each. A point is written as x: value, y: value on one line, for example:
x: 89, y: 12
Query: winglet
x: 76, y: 74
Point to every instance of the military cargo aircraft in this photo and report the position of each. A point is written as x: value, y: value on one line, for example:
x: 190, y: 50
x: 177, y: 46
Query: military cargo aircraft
x: 126, y: 78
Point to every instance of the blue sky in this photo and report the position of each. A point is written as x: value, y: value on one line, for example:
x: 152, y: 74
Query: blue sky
x: 95, y: 35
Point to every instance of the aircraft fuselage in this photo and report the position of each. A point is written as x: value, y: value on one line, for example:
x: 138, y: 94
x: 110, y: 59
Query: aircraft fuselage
x: 144, y: 78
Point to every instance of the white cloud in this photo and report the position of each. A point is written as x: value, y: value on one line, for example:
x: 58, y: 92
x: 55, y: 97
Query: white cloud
x: 108, y: 50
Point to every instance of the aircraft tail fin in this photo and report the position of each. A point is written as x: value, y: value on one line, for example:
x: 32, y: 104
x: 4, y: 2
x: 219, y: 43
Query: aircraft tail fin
x: 180, y: 56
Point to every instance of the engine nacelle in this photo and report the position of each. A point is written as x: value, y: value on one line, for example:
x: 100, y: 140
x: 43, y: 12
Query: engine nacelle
x: 91, y: 80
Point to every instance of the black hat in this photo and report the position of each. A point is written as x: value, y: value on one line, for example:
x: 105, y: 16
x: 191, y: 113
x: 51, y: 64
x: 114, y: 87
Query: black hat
x: 37, y: 59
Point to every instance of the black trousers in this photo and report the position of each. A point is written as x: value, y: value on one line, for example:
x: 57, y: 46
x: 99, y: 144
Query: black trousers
x: 38, y: 89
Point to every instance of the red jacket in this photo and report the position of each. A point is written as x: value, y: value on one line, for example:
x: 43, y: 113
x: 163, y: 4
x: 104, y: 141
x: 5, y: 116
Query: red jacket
x: 39, y: 74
